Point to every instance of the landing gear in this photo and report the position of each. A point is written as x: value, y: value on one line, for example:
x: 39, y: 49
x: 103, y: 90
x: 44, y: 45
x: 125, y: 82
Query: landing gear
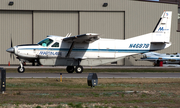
x: 157, y: 63
x: 33, y: 63
x: 79, y: 69
x: 21, y: 68
x: 70, y: 69
x: 36, y: 62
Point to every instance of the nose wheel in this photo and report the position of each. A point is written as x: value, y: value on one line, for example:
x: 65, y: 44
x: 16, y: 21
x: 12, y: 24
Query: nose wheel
x: 21, y: 69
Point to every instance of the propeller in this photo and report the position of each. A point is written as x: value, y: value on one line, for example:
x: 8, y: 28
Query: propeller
x: 12, y: 49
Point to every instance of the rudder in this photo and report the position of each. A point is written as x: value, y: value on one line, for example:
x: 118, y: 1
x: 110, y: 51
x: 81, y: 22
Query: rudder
x: 163, y: 28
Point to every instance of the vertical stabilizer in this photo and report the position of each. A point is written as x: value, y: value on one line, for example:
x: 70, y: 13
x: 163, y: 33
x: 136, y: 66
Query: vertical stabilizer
x: 162, y: 31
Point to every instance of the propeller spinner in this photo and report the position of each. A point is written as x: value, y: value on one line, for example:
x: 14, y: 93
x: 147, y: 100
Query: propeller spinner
x: 10, y: 50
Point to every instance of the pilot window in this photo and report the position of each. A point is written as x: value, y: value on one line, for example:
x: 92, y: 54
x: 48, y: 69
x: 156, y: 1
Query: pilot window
x: 46, y: 42
x: 55, y: 44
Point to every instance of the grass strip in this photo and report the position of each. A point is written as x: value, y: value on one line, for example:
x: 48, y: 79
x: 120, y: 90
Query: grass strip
x: 75, y: 93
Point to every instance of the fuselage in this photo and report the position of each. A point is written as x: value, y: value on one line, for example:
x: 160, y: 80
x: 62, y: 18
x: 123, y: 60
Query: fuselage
x: 102, y: 48
x: 56, y: 48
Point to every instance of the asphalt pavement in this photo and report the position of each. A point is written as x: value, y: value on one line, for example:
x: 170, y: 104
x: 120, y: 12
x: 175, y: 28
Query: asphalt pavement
x: 100, y: 75
x: 102, y: 66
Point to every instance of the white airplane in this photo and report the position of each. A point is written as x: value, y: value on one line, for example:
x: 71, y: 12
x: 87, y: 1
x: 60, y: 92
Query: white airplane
x: 90, y: 50
x: 157, y: 57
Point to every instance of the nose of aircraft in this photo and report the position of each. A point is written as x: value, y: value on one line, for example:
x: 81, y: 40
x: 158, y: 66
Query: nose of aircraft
x: 10, y: 50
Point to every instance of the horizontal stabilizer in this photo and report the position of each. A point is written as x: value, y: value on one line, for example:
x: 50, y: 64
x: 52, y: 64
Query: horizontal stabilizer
x: 159, y: 42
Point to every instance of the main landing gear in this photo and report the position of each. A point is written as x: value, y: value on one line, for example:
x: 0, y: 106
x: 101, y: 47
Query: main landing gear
x: 78, y: 69
x: 21, y: 68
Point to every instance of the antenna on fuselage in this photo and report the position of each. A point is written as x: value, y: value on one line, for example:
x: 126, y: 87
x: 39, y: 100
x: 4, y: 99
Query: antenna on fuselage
x: 68, y: 35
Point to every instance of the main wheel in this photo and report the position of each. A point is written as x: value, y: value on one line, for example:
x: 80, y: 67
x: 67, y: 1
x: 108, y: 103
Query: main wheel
x: 21, y: 70
x: 79, y: 69
x: 70, y: 69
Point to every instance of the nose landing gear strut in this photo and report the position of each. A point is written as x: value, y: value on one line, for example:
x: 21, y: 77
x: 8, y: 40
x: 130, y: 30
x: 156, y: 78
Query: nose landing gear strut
x: 21, y: 68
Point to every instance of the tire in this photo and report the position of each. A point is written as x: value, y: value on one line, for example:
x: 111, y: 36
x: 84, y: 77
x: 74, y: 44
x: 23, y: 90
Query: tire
x: 79, y: 69
x: 70, y: 69
x: 21, y: 70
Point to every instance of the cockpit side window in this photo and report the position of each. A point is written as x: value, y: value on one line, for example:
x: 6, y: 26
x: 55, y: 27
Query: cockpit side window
x: 46, y: 42
x: 55, y: 44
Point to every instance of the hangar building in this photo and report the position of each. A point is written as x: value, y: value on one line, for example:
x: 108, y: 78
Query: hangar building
x: 29, y: 21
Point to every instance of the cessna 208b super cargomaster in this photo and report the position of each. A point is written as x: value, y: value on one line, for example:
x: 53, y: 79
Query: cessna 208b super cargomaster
x: 90, y: 50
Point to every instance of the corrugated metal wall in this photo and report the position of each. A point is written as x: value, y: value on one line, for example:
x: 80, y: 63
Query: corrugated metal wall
x: 15, y: 25
x: 179, y: 19
x: 107, y: 24
x: 54, y: 23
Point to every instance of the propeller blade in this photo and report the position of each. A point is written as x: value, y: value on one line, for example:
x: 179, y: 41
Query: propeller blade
x: 13, y: 57
x: 10, y: 55
x: 11, y: 42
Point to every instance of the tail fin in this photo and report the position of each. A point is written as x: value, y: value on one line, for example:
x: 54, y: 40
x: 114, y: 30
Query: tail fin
x: 161, y: 32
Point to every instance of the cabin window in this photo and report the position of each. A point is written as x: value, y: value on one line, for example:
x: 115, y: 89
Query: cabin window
x: 171, y: 56
x: 177, y: 56
x: 46, y: 42
x: 55, y: 44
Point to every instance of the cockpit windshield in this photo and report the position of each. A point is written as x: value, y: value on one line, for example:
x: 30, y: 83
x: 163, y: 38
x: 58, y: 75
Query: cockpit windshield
x: 46, y: 42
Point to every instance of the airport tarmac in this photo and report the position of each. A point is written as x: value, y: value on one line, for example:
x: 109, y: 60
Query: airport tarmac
x: 100, y: 75
x: 102, y: 66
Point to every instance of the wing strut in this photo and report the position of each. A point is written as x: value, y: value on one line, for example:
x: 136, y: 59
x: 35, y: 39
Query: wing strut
x: 69, y: 52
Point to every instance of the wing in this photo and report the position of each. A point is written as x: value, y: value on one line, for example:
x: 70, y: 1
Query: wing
x: 84, y: 38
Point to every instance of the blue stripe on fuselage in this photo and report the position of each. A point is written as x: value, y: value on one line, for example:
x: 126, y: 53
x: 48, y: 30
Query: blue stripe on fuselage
x: 91, y: 50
